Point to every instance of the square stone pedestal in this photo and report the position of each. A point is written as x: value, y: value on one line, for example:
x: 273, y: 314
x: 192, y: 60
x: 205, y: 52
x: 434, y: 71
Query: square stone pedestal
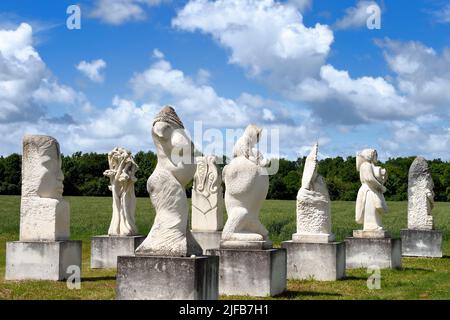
x: 421, y: 243
x: 318, y: 261
x: 365, y: 252
x: 106, y: 249
x: 167, y: 278
x: 257, y: 273
x: 41, y: 260
x: 207, y: 239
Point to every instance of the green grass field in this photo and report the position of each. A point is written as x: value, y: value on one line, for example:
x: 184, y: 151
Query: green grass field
x: 420, y: 278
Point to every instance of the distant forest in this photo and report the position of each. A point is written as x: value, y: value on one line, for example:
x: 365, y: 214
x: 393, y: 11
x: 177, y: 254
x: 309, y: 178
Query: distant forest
x: 83, y: 176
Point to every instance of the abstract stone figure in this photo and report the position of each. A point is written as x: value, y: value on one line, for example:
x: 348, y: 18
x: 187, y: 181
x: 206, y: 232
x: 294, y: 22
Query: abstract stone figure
x: 246, y: 186
x: 169, y: 235
x: 370, y: 203
x: 207, y: 196
x: 313, y: 205
x: 44, y: 215
x: 420, y: 196
x: 121, y: 173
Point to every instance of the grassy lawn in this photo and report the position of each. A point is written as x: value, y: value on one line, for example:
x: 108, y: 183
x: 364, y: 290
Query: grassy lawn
x: 420, y: 278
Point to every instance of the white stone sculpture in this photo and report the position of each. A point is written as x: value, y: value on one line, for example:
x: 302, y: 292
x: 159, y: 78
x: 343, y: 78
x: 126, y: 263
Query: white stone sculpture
x: 121, y: 173
x: 246, y: 186
x: 420, y: 196
x: 313, y: 205
x: 44, y: 215
x: 370, y: 202
x: 207, y: 196
x: 169, y: 235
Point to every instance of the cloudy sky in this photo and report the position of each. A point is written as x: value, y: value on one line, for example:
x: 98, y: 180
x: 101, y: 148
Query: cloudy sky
x: 310, y: 69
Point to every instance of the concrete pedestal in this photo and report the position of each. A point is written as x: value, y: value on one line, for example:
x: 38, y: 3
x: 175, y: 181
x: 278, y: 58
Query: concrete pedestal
x: 167, y: 278
x: 380, y: 252
x: 257, y: 273
x: 106, y: 249
x: 421, y: 243
x: 41, y: 260
x: 207, y: 239
x: 318, y: 261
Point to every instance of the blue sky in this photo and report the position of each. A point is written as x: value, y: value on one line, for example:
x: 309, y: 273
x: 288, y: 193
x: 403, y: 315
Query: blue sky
x: 308, y: 68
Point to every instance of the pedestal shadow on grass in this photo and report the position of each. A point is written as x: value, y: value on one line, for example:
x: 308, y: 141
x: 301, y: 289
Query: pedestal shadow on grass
x: 289, y: 294
x: 93, y: 279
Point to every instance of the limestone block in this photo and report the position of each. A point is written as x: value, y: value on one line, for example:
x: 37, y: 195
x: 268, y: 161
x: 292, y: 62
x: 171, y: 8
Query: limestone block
x: 43, y: 260
x: 167, y: 278
x: 257, y: 273
x: 207, y: 196
x: 318, y: 261
x: 366, y: 252
x: 421, y: 243
x: 106, y: 249
x: 208, y: 239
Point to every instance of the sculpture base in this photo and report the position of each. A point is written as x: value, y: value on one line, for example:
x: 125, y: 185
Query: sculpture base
x: 167, y: 278
x: 365, y: 252
x: 318, y: 261
x: 41, y: 260
x: 257, y: 273
x: 370, y: 234
x: 246, y: 245
x: 106, y: 249
x: 421, y: 243
x: 207, y: 239
x: 313, y: 237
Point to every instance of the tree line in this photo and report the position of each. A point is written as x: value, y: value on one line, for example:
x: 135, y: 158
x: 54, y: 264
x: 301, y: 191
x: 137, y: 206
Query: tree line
x: 83, y: 176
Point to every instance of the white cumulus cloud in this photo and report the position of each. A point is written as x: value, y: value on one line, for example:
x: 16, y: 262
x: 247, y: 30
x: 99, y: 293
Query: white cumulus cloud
x: 357, y: 16
x: 93, y: 70
x: 117, y: 12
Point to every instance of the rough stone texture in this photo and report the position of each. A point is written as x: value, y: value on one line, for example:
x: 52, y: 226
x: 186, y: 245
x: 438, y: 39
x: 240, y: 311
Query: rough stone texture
x: 313, y: 204
x: 167, y: 278
x: 121, y: 174
x: 246, y: 187
x: 241, y: 244
x: 318, y: 261
x: 106, y: 249
x: 41, y: 260
x: 208, y: 239
x: 421, y: 243
x: 207, y: 196
x: 169, y: 235
x: 420, y: 196
x: 257, y: 273
x: 365, y: 252
x: 370, y: 202
x: 44, y: 215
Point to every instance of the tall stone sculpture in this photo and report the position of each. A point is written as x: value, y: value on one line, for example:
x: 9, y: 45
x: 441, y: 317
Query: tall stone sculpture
x: 420, y: 196
x: 44, y: 250
x: 207, y: 197
x: 169, y: 262
x: 372, y: 245
x: 420, y: 239
x: 313, y: 205
x: 121, y: 173
x: 44, y: 214
x: 246, y: 186
x: 248, y: 264
x: 207, y: 203
x: 122, y: 238
x: 370, y: 203
x: 313, y: 244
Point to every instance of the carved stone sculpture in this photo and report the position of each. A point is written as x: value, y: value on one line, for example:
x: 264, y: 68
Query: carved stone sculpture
x: 44, y: 215
x: 246, y: 187
x: 121, y: 173
x: 370, y: 202
x: 169, y: 235
x: 313, y: 205
x: 207, y: 196
x: 420, y: 196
